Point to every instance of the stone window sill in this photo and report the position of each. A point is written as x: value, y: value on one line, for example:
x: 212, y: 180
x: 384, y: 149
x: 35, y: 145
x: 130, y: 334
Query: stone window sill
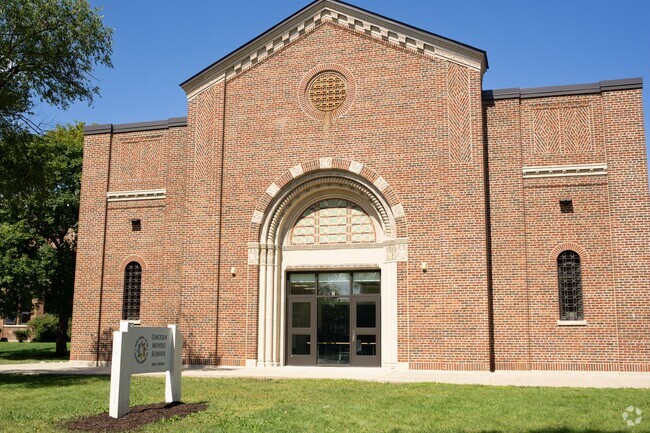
x: 572, y: 322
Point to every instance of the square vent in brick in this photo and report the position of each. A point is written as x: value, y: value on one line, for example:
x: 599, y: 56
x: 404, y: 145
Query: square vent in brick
x: 566, y: 206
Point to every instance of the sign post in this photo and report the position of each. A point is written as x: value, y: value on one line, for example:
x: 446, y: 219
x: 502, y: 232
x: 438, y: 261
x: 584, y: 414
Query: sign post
x: 143, y: 349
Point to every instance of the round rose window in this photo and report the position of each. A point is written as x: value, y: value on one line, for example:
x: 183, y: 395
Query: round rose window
x: 327, y: 91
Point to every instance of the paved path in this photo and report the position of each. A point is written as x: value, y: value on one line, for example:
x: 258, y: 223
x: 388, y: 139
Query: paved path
x: 499, y: 378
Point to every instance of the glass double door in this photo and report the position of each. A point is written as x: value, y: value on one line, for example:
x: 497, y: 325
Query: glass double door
x: 333, y: 318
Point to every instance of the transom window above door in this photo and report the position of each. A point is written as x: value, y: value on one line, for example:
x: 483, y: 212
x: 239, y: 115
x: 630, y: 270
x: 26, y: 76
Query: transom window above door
x: 333, y: 221
x: 334, y: 283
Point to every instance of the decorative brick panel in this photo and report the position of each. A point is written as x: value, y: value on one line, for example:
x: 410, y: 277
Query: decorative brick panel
x: 577, y: 134
x: 138, y: 159
x: 460, y: 120
x: 546, y: 132
x: 562, y: 129
x: 205, y: 134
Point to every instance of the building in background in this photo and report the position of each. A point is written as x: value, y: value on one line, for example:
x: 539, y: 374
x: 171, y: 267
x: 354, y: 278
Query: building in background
x: 344, y: 192
x: 9, y: 325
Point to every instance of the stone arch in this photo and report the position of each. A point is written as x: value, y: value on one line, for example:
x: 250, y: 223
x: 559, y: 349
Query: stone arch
x: 337, y: 166
x: 332, y: 181
x: 295, y: 189
x: 573, y: 246
x: 133, y: 258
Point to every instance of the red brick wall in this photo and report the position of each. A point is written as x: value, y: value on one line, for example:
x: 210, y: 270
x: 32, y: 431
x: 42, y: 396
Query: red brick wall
x: 400, y: 108
x: 200, y: 237
x: 508, y: 233
x: 420, y: 124
x: 90, y: 247
x: 609, y: 226
x: 141, y: 160
x: 630, y: 224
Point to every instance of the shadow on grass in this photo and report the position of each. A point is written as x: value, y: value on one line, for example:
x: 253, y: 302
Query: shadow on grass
x: 572, y: 430
x: 48, y: 380
x: 548, y: 430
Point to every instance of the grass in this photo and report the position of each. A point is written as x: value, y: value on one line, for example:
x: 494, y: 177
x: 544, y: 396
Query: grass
x: 22, y: 353
x: 41, y: 403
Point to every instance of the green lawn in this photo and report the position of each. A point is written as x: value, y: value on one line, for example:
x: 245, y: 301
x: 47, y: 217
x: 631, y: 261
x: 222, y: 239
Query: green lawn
x: 20, y: 353
x: 41, y: 403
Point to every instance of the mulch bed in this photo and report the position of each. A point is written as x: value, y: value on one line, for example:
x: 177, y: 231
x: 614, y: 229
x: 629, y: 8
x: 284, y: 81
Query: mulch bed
x: 137, y: 417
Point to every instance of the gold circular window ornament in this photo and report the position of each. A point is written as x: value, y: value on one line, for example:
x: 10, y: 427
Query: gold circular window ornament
x: 327, y: 91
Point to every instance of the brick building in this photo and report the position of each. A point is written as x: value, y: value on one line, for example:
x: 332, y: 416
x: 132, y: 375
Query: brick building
x: 9, y: 325
x: 343, y: 191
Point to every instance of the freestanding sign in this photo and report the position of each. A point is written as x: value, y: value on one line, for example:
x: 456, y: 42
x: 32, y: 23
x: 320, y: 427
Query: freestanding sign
x: 142, y: 349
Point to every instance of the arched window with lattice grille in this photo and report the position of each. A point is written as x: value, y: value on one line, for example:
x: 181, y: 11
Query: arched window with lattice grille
x: 569, y: 277
x: 132, y: 283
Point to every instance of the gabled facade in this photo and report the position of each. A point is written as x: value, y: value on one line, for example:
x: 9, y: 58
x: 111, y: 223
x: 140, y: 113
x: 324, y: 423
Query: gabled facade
x: 343, y: 191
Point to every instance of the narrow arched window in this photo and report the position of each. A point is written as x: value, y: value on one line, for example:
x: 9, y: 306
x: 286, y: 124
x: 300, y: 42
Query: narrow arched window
x: 569, y: 278
x: 132, y: 282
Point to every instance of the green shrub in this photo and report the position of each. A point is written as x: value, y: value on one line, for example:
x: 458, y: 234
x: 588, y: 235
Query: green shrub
x: 44, y: 328
x: 21, y: 335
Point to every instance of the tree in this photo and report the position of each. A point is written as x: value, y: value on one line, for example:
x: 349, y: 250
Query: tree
x: 39, y: 207
x: 48, y: 50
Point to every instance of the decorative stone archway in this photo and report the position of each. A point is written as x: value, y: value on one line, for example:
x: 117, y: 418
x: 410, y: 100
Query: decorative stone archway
x: 270, y: 251
x: 573, y: 246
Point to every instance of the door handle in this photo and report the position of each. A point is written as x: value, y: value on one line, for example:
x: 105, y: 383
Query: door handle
x: 354, y: 335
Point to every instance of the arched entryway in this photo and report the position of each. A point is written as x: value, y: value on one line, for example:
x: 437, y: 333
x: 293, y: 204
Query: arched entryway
x: 327, y: 257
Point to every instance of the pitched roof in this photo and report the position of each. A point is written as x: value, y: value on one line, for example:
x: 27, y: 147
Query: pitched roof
x: 319, y: 11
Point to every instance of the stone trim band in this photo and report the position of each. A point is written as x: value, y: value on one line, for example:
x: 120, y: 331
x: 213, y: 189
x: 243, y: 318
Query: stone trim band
x: 564, y: 170
x: 151, y: 194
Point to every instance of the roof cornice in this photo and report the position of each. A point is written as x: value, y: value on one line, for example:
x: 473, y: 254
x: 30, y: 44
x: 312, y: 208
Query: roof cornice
x: 343, y: 14
x: 108, y: 128
x: 569, y: 90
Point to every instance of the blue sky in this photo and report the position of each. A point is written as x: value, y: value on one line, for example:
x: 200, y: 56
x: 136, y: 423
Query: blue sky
x: 159, y: 44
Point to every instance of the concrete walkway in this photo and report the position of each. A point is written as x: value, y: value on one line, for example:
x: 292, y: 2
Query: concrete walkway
x: 499, y: 378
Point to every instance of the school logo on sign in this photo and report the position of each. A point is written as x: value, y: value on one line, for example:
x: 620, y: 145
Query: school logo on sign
x: 141, y: 350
